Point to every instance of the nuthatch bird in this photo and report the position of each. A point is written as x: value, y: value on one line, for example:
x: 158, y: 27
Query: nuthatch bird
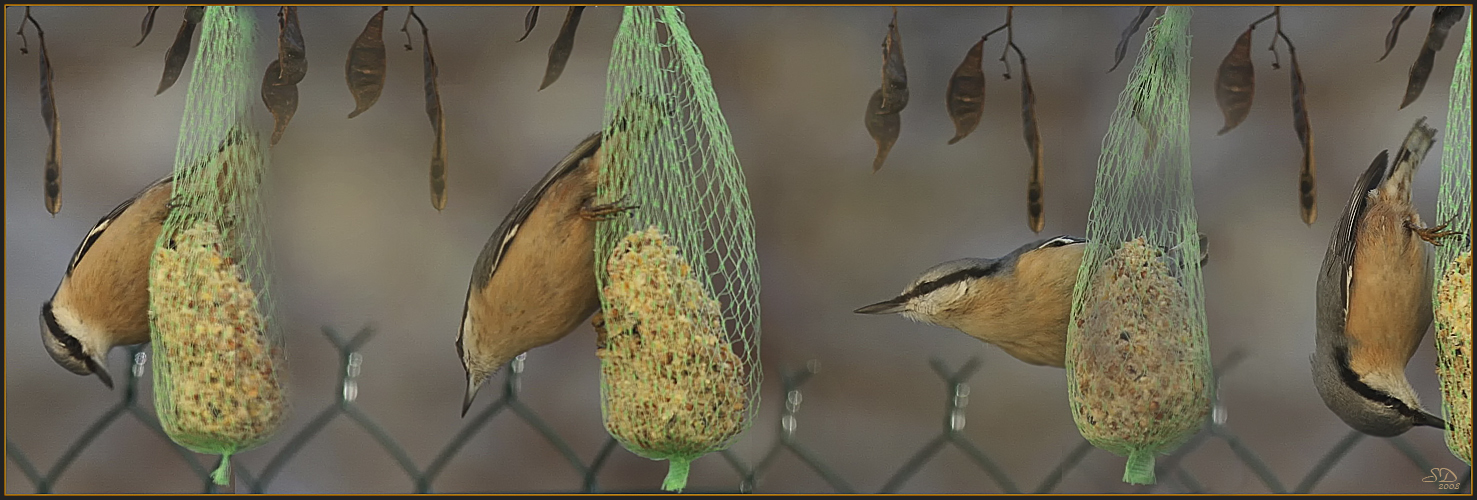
x: 103, y: 299
x: 534, y: 282
x: 1021, y: 302
x: 1374, y: 298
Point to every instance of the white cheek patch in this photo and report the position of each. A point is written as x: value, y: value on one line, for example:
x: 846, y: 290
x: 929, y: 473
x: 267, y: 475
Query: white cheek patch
x: 78, y: 330
x: 928, y: 307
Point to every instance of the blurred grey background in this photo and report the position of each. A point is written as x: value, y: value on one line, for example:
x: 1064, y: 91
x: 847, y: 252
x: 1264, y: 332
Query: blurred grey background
x: 359, y: 243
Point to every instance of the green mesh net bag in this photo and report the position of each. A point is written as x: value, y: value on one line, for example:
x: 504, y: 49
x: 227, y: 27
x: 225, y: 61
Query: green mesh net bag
x: 1138, y: 362
x: 1453, y: 294
x: 217, y: 352
x: 679, y: 281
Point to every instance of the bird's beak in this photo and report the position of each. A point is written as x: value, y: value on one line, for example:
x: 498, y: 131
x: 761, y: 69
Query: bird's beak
x: 1429, y: 420
x: 471, y: 393
x: 101, y: 371
x: 887, y: 307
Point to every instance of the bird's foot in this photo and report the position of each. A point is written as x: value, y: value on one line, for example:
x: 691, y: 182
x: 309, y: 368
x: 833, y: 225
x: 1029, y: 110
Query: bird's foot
x: 605, y: 212
x: 1432, y: 235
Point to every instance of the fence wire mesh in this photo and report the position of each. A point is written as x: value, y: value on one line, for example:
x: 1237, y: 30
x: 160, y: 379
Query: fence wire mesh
x: 1173, y: 478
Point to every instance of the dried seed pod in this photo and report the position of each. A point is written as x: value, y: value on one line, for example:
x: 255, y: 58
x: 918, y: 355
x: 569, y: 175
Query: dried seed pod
x: 52, y: 180
x: 1395, y: 29
x: 563, y: 46
x: 217, y: 371
x: 672, y: 384
x: 894, y: 75
x: 433, y: 110
x: 1454, y: 352
x: 148, y: 25
x: 966, y: 93
x: 1442, y: 19
x: 1138, y: 371
x: 365, y: 70
x: 529, y: 21
x: 280, y: 98
x: 1122, y: 50
x: 1307, y: 175
x: 1035, y: 207
x: 883, y: 127
x: 174, y: 60
x: 1235, y: 83
x: 291, y: 52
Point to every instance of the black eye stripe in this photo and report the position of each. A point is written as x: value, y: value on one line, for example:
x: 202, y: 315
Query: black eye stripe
x: 74, y: 348
x: 952, y: 278
x: 1351, y: 379
x: 1062, y: 241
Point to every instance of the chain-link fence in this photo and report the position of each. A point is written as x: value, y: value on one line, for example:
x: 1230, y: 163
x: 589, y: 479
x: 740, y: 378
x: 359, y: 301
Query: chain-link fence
x: 1173, y: 477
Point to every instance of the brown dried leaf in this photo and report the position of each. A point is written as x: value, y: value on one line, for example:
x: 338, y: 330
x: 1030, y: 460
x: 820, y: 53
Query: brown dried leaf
x: 559, y: 52
x: 1307, y: 178
x: 894, y: 75
x: 438, y: 120
x: 1235, y: 83
x: 365, y: 69
x: 174, y: 60
x: 1035, y: 208
x: 1395, y: 29
x: 291, y: 52
x: 1122, y: 50
x: 148, y: 25
x: 966, y: 93
x: 529, y: 20
x: 280, y: 98
x: 1442, y: 19
x: 883, y: 127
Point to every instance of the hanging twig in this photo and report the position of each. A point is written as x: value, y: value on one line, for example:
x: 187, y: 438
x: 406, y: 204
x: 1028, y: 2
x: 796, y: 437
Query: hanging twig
x: 1235, y: 86
x: 1009, y: 39
x: 1034, y: 189
x: 1276, y: 60
x: 405, y: 27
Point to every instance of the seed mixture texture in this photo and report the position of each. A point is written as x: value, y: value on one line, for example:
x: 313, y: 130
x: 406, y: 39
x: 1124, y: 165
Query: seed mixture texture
x: 673, y: 386
x: 216, y: 376
x: 1454, y: 352
x: 1140, y: 370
